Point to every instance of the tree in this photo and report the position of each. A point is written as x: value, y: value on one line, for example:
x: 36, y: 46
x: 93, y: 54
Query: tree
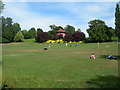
x: 1, y: 7
x: 26, y: 34
x: 9, y: 29
x: 98, y: 31
x: 68, y: 37
x: 117, y: 21
x: 32, y: 32
x: 78, y: 30
x: 19, y: 37
x: 52, y: 26
x: 54, y: 30
x: 69, y: 29
x: 110, y: 32
x: 39, y: 30
x: 42, y: 37
x: 79, y: 36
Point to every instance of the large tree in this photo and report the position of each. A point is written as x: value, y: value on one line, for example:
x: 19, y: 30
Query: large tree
x: 32, y: 32
x: 9, y: 29
x: 1, y: 7
x: 69, y: 29
x: 26, y: 34
x: 39, y: 30
x: 117, y: 21
x: 98, y: 31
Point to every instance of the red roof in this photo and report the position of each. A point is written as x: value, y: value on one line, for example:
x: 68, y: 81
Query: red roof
x: 60, y: 30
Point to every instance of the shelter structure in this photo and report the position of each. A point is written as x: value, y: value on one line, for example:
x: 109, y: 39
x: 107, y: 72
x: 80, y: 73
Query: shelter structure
x: 60, y: 34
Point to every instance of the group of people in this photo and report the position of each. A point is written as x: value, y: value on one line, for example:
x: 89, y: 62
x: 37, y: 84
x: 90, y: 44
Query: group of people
x: 109, y: 57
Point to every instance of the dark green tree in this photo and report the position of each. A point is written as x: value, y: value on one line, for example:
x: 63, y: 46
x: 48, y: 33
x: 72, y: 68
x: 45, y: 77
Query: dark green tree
x: 9, y: 29
x: 53, y: 30
x: 26, y: 34
x: 69, y: 29
x: 1, y: 7
x: 19, y: 37
x: 78, y: 30
x: 32, y: 32
x: 117, y: 21
x: 39, y: 30
x: 98, y: 31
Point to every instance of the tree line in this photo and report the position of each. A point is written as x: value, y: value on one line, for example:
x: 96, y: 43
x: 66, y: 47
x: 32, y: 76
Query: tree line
x: 98, y: 30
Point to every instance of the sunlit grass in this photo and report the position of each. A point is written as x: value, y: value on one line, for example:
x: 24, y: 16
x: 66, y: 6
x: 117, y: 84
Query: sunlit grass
x: 28, y: 65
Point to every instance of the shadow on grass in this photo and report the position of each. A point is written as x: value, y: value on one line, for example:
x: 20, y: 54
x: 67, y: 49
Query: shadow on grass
x: 104, y: 82
x: 105, y: 57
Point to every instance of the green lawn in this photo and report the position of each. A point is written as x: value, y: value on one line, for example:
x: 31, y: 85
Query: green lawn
x: 28, y: 65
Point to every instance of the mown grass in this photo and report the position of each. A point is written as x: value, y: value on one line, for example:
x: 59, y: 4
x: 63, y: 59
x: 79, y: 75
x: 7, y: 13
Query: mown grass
x: 28, y: 65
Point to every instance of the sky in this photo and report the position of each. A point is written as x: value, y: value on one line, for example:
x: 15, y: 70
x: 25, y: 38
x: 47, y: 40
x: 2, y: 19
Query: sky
x: 43, y: 14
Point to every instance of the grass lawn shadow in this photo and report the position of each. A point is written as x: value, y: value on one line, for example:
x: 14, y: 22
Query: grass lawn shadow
x: 105, y: 57
x: 104, y: 82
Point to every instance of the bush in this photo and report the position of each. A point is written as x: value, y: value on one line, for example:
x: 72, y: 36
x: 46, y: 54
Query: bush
x: 79, y: 36
x: 68, y: 37
x: 19, y: 37
x: 42, y: 37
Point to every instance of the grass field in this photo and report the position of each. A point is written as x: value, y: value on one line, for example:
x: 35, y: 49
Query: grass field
x: 28, y: 65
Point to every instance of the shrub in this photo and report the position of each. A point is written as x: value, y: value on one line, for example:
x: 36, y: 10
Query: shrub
x: 79, y: 36
x: 43, y: 37
x: 19, y: 37
x: 68, y: 37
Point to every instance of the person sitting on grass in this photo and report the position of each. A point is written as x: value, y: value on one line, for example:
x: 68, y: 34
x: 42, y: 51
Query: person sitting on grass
x: 111, y: 57
x: 92, y: 56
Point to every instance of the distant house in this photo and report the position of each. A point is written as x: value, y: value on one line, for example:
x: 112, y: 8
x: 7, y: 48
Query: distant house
x: 60, y: 34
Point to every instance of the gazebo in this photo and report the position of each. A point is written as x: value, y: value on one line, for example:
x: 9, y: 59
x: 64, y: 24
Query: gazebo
x: 60, y: 33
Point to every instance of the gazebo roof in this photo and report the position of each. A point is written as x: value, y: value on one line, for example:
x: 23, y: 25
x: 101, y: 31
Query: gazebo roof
x: 60, y: 30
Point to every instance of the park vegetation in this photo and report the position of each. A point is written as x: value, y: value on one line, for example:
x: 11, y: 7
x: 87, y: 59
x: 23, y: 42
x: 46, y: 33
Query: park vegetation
x: 98, y: 31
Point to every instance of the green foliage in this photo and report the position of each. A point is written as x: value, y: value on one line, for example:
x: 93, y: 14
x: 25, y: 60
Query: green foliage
x: 79, y: 30
x: 9, y: 29
x: 19, y: 37
x: 26, y: 34
x: 54, y: 30
x: 32, y: 33
x: 114, y: 38
x: 29, y: 40
x: 1, y: 6
x: 69, y: 29
x: 99, y: 31
x: 39, y: 30
x: 117, y: 21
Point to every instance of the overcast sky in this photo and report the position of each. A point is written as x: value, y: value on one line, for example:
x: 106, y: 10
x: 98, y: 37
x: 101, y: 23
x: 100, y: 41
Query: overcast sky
x: 43, y: 14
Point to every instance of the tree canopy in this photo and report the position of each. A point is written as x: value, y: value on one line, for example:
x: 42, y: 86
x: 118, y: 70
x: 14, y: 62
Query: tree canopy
x: 1, y: 6
x: 69, y: 29
x: 9, y: 29
x: 99, y: 31
x: 32, y: 32
x: 117, y: 21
